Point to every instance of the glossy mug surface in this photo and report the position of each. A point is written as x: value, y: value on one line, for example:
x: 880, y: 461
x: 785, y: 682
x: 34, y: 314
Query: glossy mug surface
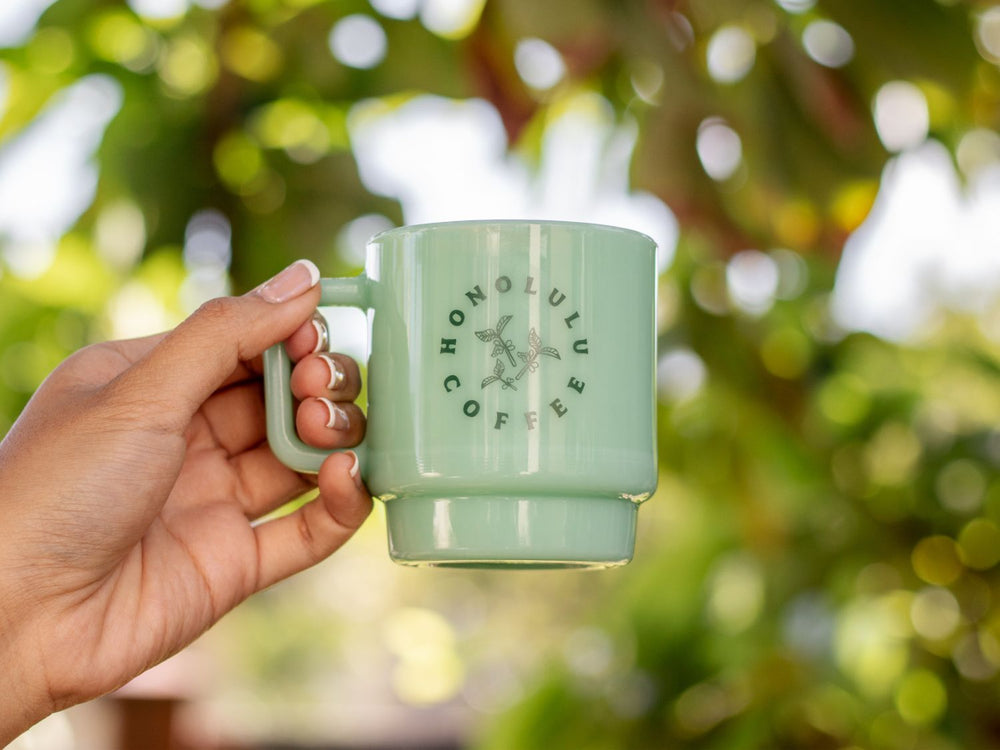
x: 511, y: 412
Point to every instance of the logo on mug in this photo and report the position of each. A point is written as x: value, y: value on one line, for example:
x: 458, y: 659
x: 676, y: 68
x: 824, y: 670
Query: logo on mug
x: 517, y: 351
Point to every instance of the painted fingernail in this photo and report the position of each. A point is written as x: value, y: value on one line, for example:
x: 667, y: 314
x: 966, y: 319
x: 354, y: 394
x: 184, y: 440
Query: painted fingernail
x: 338, y: 417
x: 355, y: 467
x: 322, y: 335
x: 298, y: 278
x: 336, y: 374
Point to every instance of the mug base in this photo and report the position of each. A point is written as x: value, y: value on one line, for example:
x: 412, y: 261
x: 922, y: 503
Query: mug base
x: 511, y: 532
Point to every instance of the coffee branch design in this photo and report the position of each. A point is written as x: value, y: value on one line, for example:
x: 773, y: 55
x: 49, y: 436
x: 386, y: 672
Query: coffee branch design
x: 531, y: 357
x: 505, y: 346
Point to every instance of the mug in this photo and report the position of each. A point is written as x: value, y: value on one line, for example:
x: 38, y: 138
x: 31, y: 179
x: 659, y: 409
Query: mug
x: 511, y: 391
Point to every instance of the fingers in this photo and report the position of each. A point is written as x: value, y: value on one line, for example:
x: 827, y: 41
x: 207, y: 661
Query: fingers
x: 265, y: 483
x: 326, y: 384
x: 202, y: 353
x: 324, y: 423
x: 317, y: 529
x: 236, y: 417
x: 310, y: 337
x: 334, y: 376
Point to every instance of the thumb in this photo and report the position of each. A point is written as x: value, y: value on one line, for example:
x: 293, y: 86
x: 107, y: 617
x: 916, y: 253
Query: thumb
x: 197, y: 357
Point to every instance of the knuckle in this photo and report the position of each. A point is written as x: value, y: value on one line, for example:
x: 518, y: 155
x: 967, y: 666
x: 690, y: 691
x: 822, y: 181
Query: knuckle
x: 306, y: 536
x: 73, y: 370
x: 219, y: 319
x: 89, y: 359
x: 219, y: 311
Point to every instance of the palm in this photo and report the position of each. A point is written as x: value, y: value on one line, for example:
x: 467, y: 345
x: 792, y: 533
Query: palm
x: 189, y: 554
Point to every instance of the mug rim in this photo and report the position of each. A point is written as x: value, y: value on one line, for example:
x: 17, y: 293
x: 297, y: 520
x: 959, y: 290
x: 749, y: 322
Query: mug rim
x: 457, y: 224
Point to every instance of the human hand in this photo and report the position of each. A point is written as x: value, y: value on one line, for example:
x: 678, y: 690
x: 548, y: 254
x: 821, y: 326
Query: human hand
x: 129, y: 483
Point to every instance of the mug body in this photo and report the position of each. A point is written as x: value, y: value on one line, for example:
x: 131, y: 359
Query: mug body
x: 511, y: 417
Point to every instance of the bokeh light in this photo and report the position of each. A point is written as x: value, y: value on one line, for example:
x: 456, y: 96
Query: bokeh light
x: 961, y: 485
x: 581, y: 175
x: 828, y: 43
x: 589, y: 653
x: 901, y: 115
x: 796, y: 6
x: 735, y: 594
x: 118, y: 37
x: 353, y: 238
x: 870, y: 642
x: 135, y: 311
x: 730, y: 54
x: 719, y: 148
x: 18, y: 19
x: 249, y: 52
x: 632, y: 695
x: 399, y: 9
x: 680, y: 374
x: 970, y: 659
x: 238, y: 161
x: 921, y: 697
x: 52, y: 51
x: 752, y: 278
x: 702, y: 707
x: 208, y: 242
x: 428, y: 669
x: 156, y: 10
x: 188, y: 66
x: 120, y: 233
x: 793, y: 273
x: 358, y: 41
x: 893, y: 454
x: 709, y: 289
x: 935, y: 560
x: 786, y: 351
x: 979, y: 149
x: 647, y: 80
x: 287, y: 123
x: 979, y: 544
x: 988, y: 34
x: 538, y: 63
x: 49, y: 180
x: 808, y: 625
x: 844, y: 398
x: 451, y: 19
x: 935, y: 613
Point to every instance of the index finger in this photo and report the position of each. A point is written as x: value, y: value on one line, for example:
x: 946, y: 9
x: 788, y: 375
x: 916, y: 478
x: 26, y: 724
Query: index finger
x: 306, y: 339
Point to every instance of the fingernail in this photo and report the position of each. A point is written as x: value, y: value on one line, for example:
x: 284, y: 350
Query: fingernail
x: 355, y: 467
x: 338, y: 417
x: 298, y: 278
x: 336, y: 374
x: 322, y: 335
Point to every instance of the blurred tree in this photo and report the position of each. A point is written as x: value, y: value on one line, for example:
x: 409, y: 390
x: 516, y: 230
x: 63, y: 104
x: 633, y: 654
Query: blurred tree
x: 818, y: 568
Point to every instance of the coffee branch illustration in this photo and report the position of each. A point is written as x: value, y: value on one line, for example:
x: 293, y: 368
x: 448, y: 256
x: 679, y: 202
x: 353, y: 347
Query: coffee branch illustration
x: 535, y: 350
x: 498, y: 377
x: 500, y: 345
x: 505, y: 347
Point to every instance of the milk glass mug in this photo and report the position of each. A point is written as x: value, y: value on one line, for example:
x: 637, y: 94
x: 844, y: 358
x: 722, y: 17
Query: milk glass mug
x: 511, y: 391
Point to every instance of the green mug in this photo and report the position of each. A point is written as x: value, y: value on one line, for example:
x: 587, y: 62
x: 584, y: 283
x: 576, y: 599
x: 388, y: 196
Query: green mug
x: 511, y: 391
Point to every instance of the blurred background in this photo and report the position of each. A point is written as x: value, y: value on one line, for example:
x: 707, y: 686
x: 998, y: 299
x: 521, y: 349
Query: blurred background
x: 818, y: 566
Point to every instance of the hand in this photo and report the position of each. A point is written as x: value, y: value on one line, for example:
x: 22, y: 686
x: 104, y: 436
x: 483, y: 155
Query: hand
x: 129, y: 484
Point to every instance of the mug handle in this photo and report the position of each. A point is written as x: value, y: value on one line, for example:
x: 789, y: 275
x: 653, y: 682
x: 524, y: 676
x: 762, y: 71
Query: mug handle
x: 281, y: 434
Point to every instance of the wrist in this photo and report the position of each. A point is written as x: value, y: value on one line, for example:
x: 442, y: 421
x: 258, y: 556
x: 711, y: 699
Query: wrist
x: 22, y: 703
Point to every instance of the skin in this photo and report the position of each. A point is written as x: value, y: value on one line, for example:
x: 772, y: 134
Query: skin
x: 127, y: 490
